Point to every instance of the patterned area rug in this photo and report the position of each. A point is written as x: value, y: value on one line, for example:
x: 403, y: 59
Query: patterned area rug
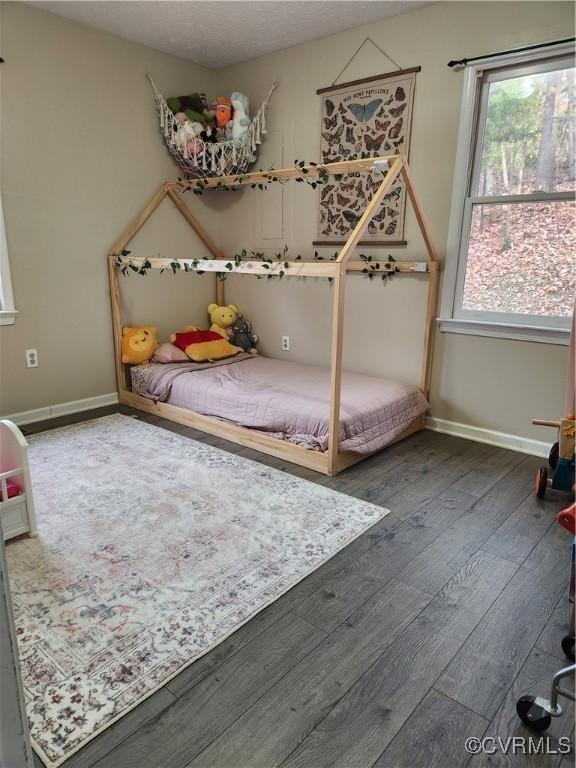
x: 153, y: 548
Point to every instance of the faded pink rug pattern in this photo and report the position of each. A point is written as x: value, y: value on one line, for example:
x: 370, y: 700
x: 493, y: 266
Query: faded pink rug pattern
x: 153, y: 548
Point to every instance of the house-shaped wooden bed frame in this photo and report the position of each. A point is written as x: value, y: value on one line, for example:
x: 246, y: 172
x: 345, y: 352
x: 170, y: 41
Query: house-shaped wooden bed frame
x: 333, y: 460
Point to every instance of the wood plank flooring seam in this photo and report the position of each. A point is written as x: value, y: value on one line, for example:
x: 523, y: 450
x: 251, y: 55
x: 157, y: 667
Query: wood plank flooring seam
x: 432, y: 689
x: 414, y: 620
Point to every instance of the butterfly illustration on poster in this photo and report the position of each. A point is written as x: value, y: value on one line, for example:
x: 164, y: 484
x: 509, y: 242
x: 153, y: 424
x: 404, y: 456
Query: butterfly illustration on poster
x: 370, y: 117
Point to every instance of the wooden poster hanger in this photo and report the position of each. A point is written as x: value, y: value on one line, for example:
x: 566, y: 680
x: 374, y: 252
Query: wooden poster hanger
x: 398, y: 71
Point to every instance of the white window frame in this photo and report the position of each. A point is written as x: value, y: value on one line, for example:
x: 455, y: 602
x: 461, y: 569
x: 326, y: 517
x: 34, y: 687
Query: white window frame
x: 453, y: 318
x: 8, y: 311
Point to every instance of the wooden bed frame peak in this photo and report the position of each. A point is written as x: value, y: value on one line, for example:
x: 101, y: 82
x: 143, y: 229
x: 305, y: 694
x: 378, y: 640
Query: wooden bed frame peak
x: 333, y: 460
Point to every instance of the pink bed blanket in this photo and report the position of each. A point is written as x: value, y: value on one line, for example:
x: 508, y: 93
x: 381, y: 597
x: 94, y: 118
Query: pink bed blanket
x: 286, y: 400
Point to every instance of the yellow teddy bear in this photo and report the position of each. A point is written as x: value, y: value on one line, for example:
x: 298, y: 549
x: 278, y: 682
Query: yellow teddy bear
x: 222, y: 318
x: 138, y: 344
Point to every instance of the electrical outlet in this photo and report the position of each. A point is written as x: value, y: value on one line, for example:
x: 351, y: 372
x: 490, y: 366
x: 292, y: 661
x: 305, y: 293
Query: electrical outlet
x: 31, y: 358
x: 285, y: 343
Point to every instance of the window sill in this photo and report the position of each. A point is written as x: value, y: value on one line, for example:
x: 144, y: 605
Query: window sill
x: 560, y: 336
x: 8, y: 316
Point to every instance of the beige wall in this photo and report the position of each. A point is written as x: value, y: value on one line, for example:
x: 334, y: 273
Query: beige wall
x: 492, y: 383
x: 81, y: 153
x: 64, y: 207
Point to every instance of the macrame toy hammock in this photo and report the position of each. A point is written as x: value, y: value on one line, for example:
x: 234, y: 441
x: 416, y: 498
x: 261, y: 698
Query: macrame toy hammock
x: 204, y: 159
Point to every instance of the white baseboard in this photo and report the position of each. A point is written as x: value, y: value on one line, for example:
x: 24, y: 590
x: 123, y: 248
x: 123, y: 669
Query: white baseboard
x: 490, y: 436
x: 468, y: 432
x: 62, y: 409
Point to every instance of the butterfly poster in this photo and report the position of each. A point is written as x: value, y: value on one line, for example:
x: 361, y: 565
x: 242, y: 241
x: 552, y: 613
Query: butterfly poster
x: 365, y: 118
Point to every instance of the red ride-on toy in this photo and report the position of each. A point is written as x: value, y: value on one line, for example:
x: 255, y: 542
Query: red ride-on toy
x: 561, y: 458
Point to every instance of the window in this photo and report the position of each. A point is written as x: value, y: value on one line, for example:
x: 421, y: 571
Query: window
x: 511, y: 268
x: 7, y: 310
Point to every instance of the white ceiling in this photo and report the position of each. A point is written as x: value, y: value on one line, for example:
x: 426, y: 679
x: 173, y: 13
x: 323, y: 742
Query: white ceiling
x: 218, y: 33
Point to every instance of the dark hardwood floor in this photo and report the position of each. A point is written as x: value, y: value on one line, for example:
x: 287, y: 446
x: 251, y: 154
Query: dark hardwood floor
x: 421, y: 633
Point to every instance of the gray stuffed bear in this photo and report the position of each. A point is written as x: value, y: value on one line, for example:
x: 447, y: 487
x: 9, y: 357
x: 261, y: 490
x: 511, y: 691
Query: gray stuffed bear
x: 240, y: 334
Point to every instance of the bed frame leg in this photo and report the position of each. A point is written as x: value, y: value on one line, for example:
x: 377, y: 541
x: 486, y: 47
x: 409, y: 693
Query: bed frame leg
x: 116, y: 322
x: 220, y: 292
x: 336, y: 369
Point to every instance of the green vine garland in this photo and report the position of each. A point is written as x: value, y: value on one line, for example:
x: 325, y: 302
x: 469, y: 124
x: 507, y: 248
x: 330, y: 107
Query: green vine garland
x: 371, y: 268
x: 123, y: 262
x: 323, y: 177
